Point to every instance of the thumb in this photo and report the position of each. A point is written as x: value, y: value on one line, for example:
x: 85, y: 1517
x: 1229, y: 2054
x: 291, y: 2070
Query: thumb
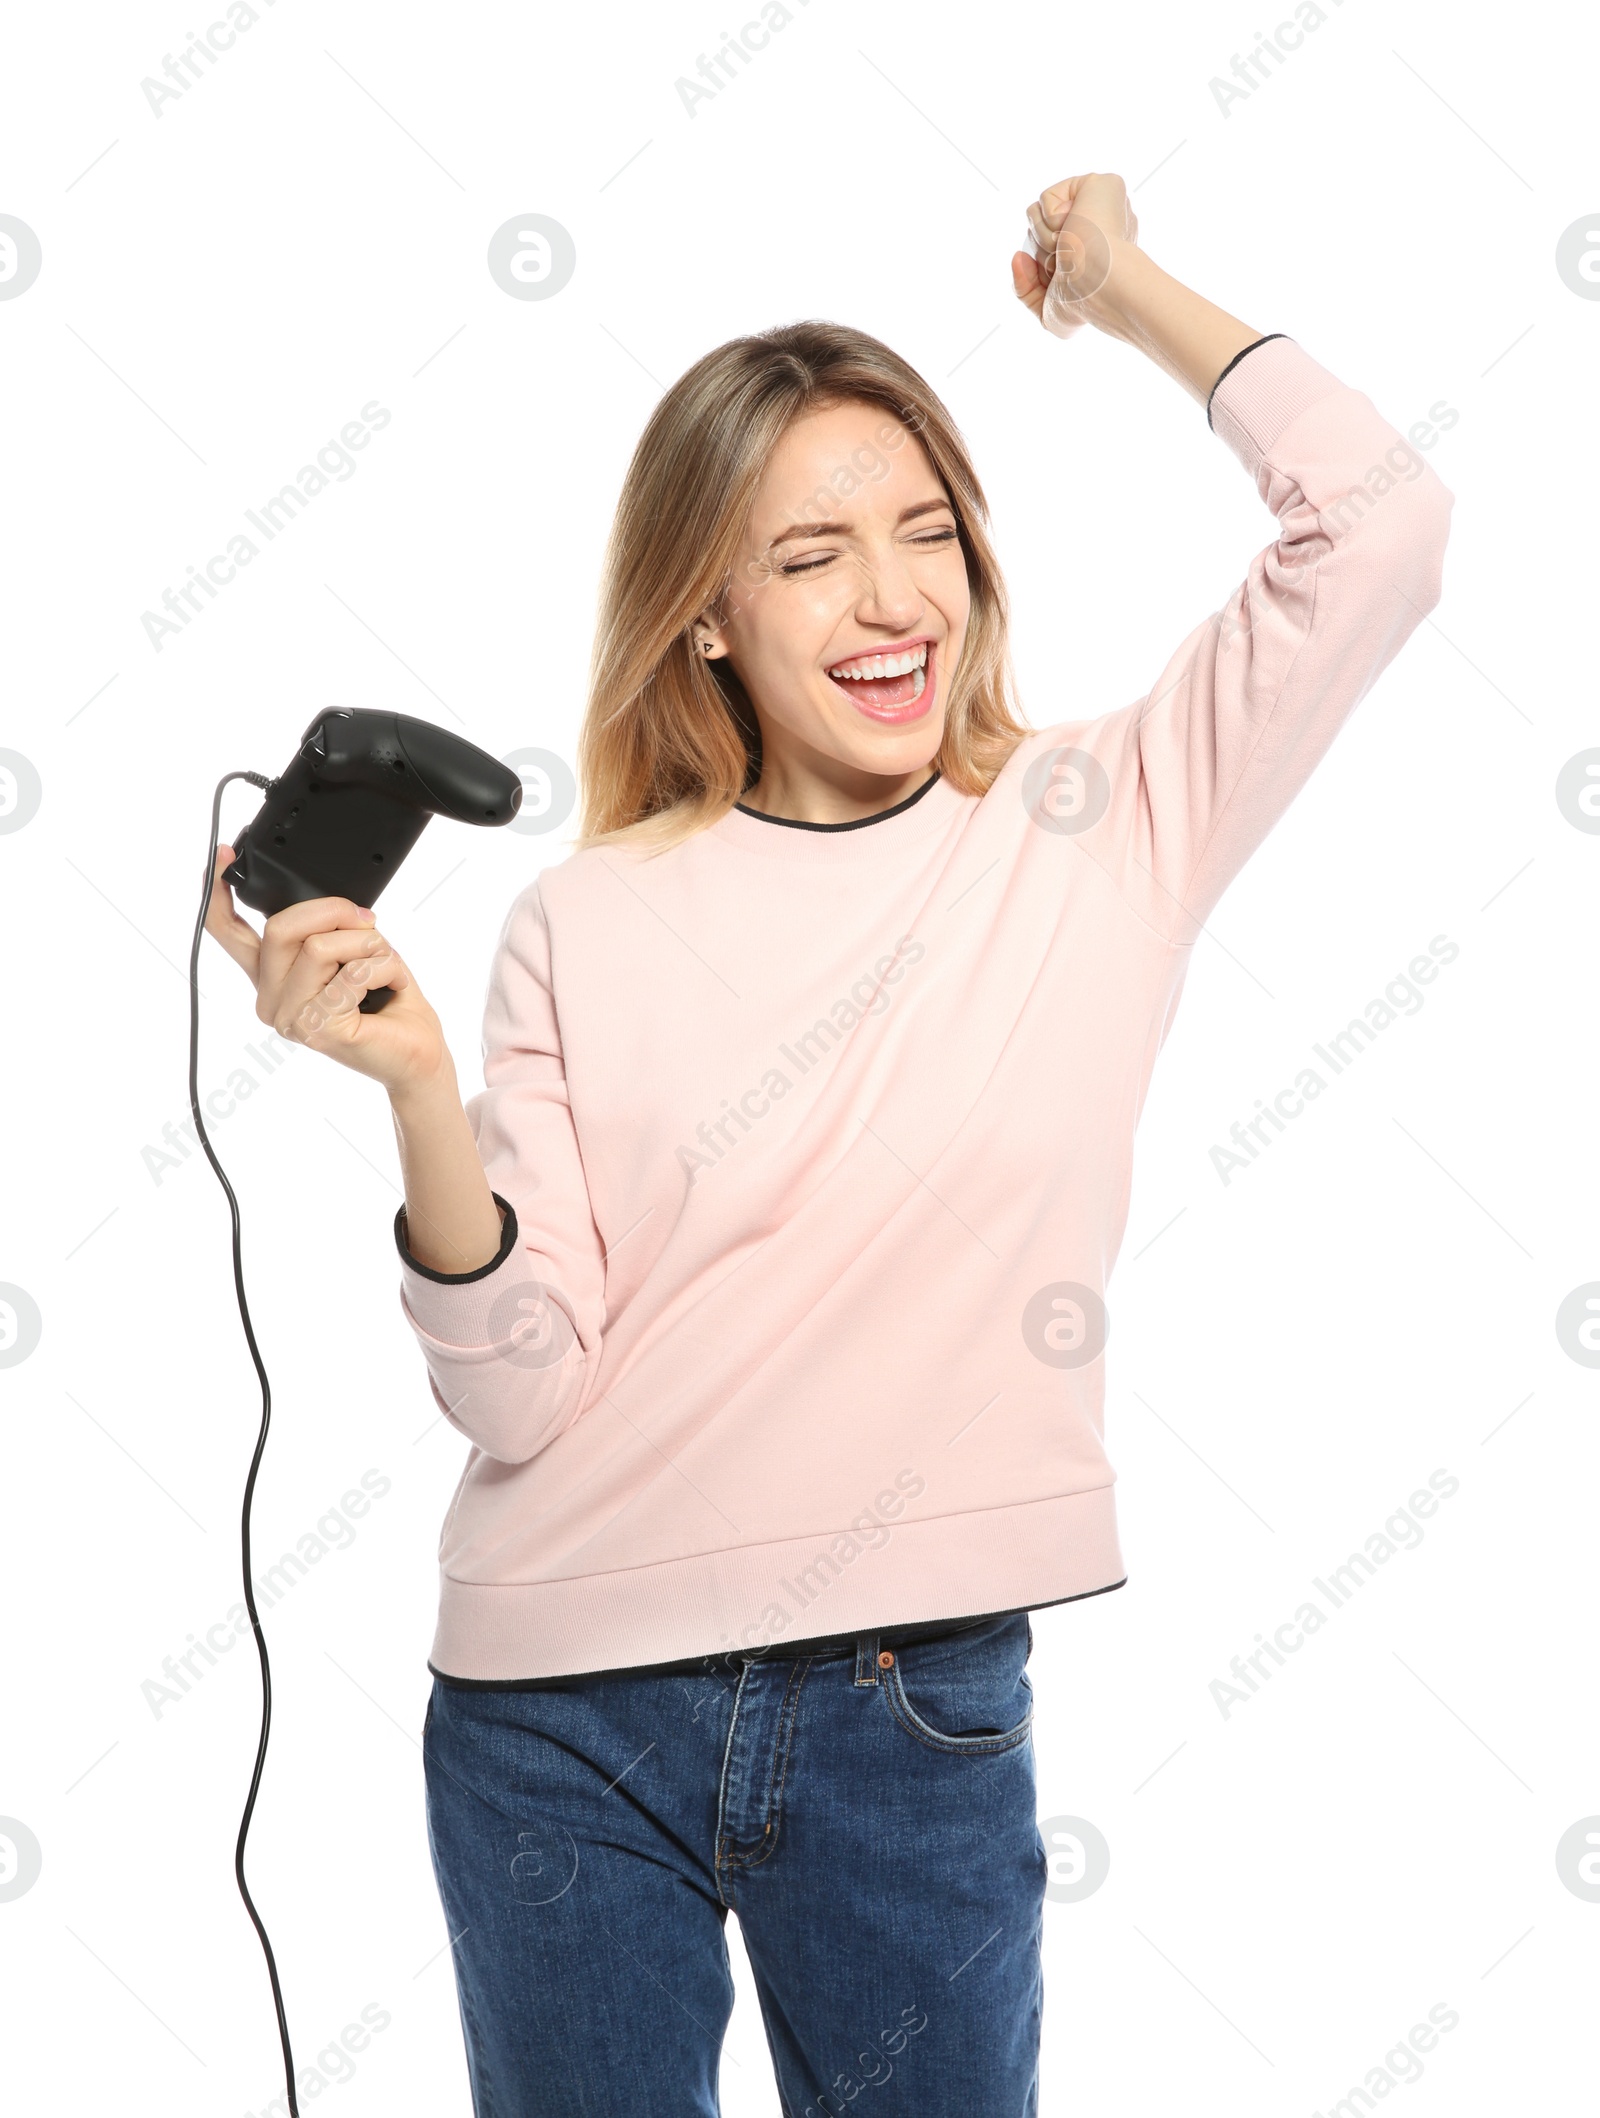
x: 1027, y: 281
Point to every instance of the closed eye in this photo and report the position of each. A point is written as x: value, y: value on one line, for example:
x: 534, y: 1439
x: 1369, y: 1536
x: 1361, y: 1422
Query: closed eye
x: 929, y: 538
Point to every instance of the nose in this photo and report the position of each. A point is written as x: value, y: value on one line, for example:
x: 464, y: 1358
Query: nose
x: 889, y: 596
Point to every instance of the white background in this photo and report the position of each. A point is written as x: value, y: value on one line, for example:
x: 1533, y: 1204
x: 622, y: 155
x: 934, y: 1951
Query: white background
x: 224, y: 285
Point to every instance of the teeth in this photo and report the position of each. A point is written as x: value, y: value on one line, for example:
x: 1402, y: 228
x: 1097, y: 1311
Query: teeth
x: 883, y: 665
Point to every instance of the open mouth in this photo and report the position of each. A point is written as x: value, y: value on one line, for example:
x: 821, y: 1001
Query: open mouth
x: 888, y: 687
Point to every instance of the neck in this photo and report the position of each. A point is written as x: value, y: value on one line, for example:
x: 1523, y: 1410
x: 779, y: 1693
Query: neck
x: 829, y: 791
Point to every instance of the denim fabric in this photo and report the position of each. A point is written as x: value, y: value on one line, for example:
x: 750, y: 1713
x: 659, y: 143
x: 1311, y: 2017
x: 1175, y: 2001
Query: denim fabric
x: 868, y: 1815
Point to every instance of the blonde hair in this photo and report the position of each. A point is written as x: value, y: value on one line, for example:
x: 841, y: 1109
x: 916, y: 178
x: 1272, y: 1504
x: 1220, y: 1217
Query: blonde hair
x: 668, y: 743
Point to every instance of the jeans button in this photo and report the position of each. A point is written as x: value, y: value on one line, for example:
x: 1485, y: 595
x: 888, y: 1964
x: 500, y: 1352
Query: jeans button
x: 886, y: 1660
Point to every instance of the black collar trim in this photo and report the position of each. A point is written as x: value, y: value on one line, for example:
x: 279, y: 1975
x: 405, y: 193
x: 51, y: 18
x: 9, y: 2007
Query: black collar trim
x: 794, y: 823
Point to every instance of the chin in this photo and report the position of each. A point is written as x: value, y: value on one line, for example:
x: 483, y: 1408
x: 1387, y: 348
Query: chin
x: 904, y: 752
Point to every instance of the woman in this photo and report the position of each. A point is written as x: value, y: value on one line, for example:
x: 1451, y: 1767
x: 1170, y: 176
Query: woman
x: 766, y: 1275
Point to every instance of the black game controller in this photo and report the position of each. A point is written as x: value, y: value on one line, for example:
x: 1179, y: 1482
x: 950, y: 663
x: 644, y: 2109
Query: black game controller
x: 352, y: 804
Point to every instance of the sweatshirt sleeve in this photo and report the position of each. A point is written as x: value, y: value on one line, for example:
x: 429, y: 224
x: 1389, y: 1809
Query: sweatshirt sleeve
x: 1250, y: 702
x: 508, y: 1346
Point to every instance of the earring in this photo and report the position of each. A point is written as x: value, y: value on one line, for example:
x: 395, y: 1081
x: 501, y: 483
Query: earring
x: 707, y: 645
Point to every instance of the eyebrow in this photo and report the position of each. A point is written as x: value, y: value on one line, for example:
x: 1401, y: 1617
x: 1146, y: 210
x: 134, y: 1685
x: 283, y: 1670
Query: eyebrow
x: 842, y: 529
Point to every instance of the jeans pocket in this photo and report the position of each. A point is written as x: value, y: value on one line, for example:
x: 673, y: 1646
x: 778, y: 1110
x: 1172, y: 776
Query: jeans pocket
x: 968, y: 1693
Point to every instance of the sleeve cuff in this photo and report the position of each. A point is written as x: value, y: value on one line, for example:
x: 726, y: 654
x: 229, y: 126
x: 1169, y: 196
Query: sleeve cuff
x: 1228, y: 370
x: 1261, y: 392
x: 508, y: 1237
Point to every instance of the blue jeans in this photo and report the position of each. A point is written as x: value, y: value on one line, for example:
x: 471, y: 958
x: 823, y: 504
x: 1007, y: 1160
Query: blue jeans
x: 869, y: 1814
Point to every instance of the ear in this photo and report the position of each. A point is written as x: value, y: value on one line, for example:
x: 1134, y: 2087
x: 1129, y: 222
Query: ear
x: 709, y: 641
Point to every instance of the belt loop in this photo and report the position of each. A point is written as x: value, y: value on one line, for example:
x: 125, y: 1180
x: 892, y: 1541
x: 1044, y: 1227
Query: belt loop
x: 866, y: 1658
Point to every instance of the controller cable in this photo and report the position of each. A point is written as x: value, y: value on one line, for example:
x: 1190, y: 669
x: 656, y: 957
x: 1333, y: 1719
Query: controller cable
x: 256, y: 779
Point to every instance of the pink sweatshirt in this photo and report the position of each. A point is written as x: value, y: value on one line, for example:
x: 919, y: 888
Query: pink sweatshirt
x: 815, y: 1145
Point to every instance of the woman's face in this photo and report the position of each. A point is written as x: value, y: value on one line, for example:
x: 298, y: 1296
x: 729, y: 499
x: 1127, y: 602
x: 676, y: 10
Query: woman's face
x: 850, y: 553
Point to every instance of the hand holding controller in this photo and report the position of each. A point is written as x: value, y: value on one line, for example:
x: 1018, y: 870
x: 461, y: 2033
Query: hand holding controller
x: 330, y: 834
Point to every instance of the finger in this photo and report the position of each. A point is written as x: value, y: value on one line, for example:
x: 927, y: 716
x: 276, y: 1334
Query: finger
x: 333, y: 1011
x: 362, y: 976
x: 1027, y: 282
x: 219, y: 905
x: 223, y: 923
x: 287, y: 931
x: 1044, y: 229
x: 329, y: 973
x: 336, y: 1010
x: 315, y: 915
x: 1055, y: 202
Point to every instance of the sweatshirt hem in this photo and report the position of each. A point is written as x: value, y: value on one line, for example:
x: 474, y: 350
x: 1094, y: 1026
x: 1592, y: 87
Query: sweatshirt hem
x: 795, y: 1650
x: 1018, y: 1557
